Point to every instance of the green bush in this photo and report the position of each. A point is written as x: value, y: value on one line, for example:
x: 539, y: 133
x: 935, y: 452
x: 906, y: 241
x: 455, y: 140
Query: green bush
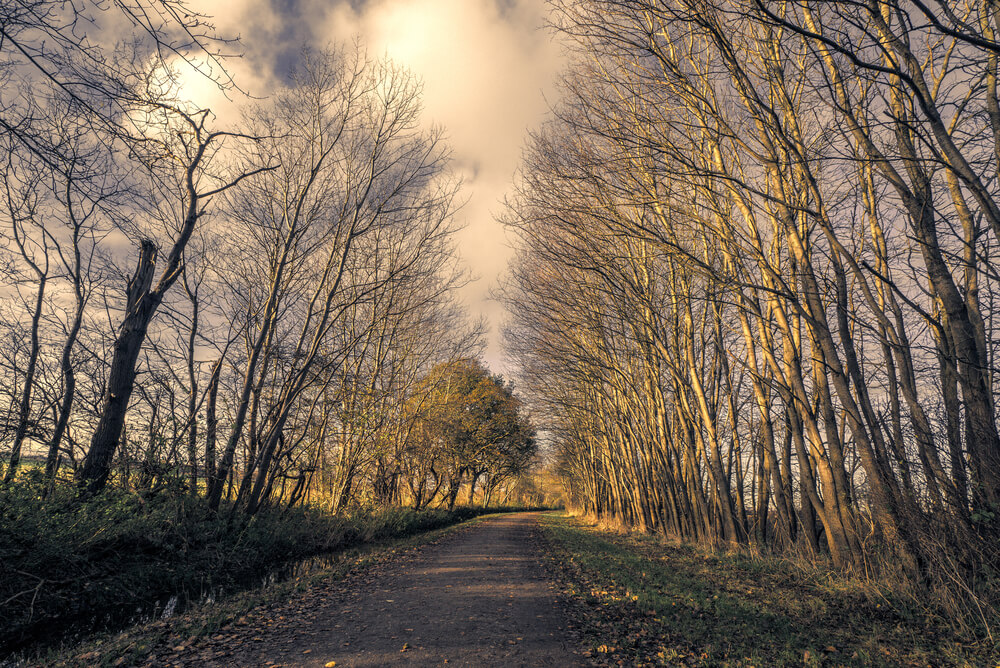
x: 79, y: 566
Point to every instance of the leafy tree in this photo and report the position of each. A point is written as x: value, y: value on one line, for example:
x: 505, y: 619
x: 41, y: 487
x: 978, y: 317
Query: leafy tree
x: 472, y: 430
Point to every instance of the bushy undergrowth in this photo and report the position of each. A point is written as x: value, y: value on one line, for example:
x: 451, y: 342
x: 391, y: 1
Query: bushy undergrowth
x: 68, y: 566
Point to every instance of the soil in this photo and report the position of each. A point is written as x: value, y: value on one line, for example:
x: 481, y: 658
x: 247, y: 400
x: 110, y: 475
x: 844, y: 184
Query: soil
x: 478, y: 597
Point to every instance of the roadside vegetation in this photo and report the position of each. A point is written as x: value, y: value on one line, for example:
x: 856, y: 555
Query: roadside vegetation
x: 643, y: 600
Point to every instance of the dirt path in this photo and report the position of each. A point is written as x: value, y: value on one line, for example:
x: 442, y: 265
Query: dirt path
x: 479, y: 597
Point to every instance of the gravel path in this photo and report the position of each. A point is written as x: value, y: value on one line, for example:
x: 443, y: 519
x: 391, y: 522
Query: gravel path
x: 479, y: 597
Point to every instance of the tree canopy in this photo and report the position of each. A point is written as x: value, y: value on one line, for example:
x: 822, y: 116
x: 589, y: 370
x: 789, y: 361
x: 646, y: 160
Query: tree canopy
x: 471, y: 429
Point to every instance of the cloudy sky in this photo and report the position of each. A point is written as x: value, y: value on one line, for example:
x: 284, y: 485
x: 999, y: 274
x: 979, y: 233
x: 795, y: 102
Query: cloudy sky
x: 488, y: 68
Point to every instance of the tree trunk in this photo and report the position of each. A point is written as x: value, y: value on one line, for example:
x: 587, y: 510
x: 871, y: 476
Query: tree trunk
x: 24, y: 409
x: 212, y: 421
x: 140, y: 307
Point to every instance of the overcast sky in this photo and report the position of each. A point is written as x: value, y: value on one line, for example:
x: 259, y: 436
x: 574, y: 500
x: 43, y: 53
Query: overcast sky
x: 488, y: 68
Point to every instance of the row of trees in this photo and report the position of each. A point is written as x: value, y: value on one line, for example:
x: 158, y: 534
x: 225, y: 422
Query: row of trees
x: 283, y: 332
x: 756, y: 275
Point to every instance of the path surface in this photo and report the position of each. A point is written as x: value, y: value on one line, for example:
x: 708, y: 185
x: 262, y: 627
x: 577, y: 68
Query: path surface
x: 479, y: 597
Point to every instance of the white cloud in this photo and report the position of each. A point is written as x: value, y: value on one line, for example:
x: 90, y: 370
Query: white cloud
x: 486, y: 65
x: 256, y: 25
x: 484, y: 68
x: 487, y: 68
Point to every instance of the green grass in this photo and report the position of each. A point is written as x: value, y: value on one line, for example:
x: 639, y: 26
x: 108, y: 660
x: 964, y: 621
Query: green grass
x: 643, y: 600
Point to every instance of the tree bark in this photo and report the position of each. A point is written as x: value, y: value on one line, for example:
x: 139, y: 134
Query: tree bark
x: 140, y: 306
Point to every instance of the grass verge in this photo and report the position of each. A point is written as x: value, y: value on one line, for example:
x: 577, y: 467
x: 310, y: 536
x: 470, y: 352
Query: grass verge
x: 645, y: 601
